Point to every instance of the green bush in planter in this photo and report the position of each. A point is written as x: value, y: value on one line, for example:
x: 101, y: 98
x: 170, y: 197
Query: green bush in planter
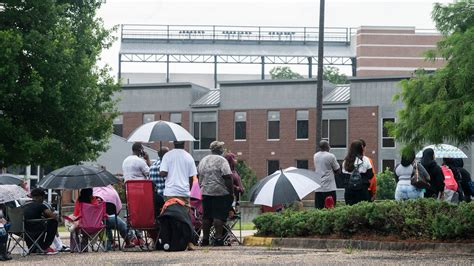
x: 422, y: 219
x: 386, y: 185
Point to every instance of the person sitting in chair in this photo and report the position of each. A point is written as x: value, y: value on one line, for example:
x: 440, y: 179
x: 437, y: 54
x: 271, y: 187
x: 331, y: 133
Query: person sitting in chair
x: 37, y: 210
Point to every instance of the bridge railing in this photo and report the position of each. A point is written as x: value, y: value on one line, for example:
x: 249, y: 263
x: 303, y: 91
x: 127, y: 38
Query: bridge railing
x: 234, y: 33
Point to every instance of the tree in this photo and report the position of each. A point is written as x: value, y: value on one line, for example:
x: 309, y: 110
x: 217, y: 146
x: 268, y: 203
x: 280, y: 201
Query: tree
x: 330, y: 74
x: 56, y: 106
x: 284, y: 73
x: 333, y: 75
x: 440, y: 106
x: 248, y: 177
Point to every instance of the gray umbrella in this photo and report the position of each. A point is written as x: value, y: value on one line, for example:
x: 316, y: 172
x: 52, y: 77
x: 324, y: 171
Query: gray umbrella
x: 77, y: 177
x: 10, y: 193
x: 8, y: 179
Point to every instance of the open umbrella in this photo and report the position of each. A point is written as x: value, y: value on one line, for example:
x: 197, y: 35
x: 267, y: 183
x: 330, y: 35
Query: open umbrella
x: 8, y: 179
x: 160, y: 131
x: 444, y: 151
x: 284, y: 187
x: 77, y: 177
x: 11, y: 192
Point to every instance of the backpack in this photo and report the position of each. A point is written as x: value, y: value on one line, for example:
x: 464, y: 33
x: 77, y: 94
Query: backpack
x: 176, y: 230
x: 355, y: 180
x: 419, y: 180
x: 449, y: 180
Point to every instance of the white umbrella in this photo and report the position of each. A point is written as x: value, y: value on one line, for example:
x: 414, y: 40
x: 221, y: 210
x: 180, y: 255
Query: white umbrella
x: 160, y: 131
x: 284, y: 187
x: 11, y: 192
x: 444, y: 151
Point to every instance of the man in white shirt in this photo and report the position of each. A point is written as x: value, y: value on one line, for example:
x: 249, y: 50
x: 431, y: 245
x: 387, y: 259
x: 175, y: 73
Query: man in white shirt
x: 179, y: 168
x: 137, y: 165
x: 326, y: 166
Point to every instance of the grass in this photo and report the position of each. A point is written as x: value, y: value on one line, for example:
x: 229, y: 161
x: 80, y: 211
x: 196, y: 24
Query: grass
x: 62, y: 229
x: 245, y: 226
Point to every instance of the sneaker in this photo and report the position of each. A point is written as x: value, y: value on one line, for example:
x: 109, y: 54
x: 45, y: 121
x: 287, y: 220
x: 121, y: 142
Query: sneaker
x: 205, y: 243
x: 50, y: 251
x: 218, y: 242
x: 138, y: 242
x: 65, y: 249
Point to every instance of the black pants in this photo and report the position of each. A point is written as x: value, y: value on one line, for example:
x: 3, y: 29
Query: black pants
x: 45, y: 241
x: 321, y: 197
x: 355, y: 196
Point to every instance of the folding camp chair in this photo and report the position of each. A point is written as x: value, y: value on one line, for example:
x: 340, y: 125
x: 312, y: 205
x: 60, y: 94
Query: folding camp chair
x: 228, y: 236
x: 19, y: 235
x: 91, y: 229
x: 111, y: 210
x: 141, y: 213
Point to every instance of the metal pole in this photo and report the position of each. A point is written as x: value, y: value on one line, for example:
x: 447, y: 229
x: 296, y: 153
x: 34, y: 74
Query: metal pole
x: 310, y: 67
x: 167, y: 68
x: 319, y: 92
x: 354, y: 66
x: 120, y: 68
x: 263, y: 67
x: 215, y: 71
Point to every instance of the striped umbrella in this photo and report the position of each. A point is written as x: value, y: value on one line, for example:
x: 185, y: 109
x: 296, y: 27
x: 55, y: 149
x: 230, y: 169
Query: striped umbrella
x: 444, y: 151
x: 77, y: 177
x: 160, y: 131
x: 284, y: 187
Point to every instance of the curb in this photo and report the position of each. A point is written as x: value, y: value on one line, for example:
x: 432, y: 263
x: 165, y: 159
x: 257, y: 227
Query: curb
x: 311, y: 243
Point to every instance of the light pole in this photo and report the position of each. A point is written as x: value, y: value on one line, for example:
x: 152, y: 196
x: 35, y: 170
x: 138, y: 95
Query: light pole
x: 319, y: 90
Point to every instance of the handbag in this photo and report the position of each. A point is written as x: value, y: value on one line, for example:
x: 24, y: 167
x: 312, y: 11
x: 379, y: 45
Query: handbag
x: 417, y: 180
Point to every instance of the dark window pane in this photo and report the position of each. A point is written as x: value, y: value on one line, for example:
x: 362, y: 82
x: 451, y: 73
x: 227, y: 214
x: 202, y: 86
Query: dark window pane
x: 196, y: 135
x: 302, y: 164
x: 273, y: 166
x: 337, y: 131
x: 388, y: 143
x: 390, y: 164
x: 118, y: 130
x: 240, y: 130
x: 302, y: 129
x: 273, y: 129
x: 325, y: 130
x: 34, y: 170
x: 208, y: 134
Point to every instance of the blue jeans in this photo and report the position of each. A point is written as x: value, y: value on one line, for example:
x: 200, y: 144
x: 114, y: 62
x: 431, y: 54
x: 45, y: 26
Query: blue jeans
x: 121, y: 226
x: 407, y: 191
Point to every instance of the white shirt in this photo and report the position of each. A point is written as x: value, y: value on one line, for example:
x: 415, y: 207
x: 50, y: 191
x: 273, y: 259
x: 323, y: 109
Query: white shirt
x: 180, y: 166
x: 363, y: 168
x: 325, y: 164
x: 135, y: 168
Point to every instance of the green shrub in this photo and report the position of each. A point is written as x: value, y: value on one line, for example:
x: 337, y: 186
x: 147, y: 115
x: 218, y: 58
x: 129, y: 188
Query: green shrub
x: 248, y: 177
x: 422, y: 219
x: 386, y: 185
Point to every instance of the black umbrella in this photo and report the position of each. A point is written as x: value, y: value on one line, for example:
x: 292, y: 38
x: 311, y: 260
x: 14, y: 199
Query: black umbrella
x: 8, y: 179
x: 284, y: 187
x: 77, y: 177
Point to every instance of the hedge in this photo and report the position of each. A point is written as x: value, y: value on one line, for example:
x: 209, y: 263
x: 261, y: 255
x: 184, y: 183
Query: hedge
x: 424, y: 219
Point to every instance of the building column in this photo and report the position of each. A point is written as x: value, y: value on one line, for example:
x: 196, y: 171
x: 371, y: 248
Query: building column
x: 310, y: 67
x: 354, y: 66
x: 263, y: 67
x: 119, y: 67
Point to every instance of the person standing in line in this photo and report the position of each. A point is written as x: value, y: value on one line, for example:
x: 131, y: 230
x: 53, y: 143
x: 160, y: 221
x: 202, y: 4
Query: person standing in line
x: 326, y: 166
x: 436, y: 189
x: 155, y: 172
x: 357, y: 188
x: 215, y: 178
x: 373, y: 180
x: 465, y: 179
x: 137, y: 165
x: 403, y: 172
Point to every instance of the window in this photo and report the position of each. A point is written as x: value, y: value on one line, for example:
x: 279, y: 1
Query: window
x: 205, y: 129
x: 272, y: 166
x: 147, y: 118
x: 176, y: 118
x: 240, y: 125
x: 303, y: 164
x: 335, y: 131
x: 118, y: 125
x: 387, y: 141
x: 390, y: 164
x: 274, y: 125
x: 302, y: 124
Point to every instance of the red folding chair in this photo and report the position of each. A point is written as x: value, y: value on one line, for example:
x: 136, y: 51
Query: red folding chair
x: 141, y: 210
x: 91, y: 229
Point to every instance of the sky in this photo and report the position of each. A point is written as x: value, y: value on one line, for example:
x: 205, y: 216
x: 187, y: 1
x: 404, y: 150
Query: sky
x: 338, y: 13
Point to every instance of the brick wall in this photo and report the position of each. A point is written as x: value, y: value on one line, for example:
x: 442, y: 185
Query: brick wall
x: 363, y: 123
